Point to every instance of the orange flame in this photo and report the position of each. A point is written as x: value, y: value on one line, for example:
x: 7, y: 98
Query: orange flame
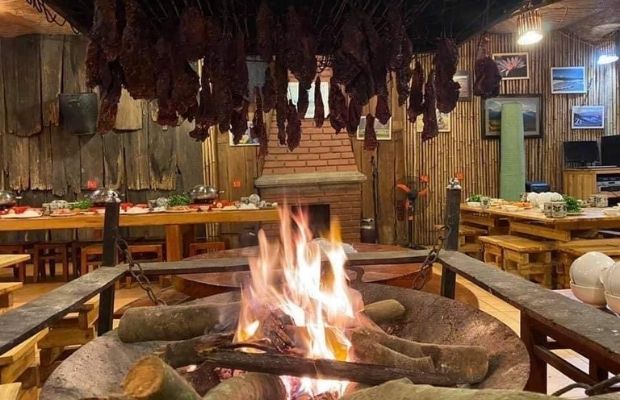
x: 289, y: 279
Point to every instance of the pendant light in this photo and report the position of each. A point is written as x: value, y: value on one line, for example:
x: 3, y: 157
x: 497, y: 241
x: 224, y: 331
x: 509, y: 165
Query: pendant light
x: 529, y: 28
x: 611, y: 56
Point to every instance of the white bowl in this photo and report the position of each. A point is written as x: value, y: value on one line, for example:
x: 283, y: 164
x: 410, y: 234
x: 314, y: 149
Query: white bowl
x: 611, y: 279
x: 473, y: 204
x: 590, y: 295
x: 587, y: 269
x: 613, y: 302
x: 611, y: 212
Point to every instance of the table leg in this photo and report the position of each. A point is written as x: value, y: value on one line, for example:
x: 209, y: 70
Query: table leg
x: 538, y: 368
x: 6, y: 300
x: 178, y: 238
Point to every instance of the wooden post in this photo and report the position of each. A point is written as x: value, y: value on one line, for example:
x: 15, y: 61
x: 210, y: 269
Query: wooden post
x: 109, y: 259
x: 538, y: 368
x: 453, y: 205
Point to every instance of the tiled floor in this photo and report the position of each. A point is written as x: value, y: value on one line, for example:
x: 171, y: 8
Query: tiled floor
x: 487, y: 303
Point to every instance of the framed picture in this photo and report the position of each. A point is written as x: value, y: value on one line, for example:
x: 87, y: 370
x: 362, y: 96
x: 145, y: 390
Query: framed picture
x: 443, y: 122
x: 532, y: 115
x: 384, y: 132
x: 568, y: 80
x: 293, y: 94
x: 513, y: 65
x: 588, y: 117
x: 246, y: 139
x: 463, y: 78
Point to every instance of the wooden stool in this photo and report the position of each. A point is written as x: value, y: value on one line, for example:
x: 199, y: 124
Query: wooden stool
x: 468, y: 240
x: 146, y: 252
x: 6, y: 293
x: 491, y: 253
x: 90, y: 256
x: 52, y: 253
x: 19, y: 269
x: 197, y: 248
x: 569, y: 251
x: 521, y: 256
x: 21, y: 365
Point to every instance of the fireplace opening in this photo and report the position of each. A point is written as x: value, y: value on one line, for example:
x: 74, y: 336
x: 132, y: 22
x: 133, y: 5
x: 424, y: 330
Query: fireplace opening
x: 318, y: 216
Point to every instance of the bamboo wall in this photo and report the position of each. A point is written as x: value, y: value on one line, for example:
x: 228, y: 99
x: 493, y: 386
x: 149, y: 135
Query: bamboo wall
x: 464, y: 151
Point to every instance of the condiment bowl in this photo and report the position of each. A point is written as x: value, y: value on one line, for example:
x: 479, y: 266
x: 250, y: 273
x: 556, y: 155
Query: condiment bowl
x: 593, y: 296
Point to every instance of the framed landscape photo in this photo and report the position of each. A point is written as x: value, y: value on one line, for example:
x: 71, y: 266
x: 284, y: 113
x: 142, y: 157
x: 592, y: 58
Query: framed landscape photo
x: 463, y: 78
x: 443, y: 122
x: 565, y: 80
x: 513, y: 65
x: 588, y: 117
x: 532, y: 115
x: 384, y: 132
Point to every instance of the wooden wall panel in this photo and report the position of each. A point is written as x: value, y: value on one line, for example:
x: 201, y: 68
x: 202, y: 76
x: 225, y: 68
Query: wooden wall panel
x: 463, y: 150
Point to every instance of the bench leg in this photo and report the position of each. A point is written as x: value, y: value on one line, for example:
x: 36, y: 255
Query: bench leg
x: 6, y: 300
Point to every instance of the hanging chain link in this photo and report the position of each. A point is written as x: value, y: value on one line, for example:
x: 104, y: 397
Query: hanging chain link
x: 431, y: 258
x: 136, y: 271
x: 606, y: 386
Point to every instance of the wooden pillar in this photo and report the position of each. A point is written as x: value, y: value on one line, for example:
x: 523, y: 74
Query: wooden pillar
x: 451, y: 242
x: 109, y: 259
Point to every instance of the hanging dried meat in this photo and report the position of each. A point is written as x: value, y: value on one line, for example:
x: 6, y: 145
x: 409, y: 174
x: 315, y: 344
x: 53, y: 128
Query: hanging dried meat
x: 487, y: 77
x: 166, y: 114
x: 370, y: 135
x: 206, y: 116
x: 382, y: 111
x: 337, y: 107
x: 221, y: 81
x: 282, y: 108
x: 353, y: 116
x: 416, y: 95
x: 239, y: 122
x: 445, y: 63
x: 269, y: 91
x: 185, y: 87
x: 259, y: 130
x: 378, y: 57
x: 293, y: 127
x: 302, y: 102
x: 264, y: 31
x: 431, y: 128
x: 110, y: 91
x: 107, y: 28
x: 319, y: 108
x: 400, y: 53
x: 95, y: 60
x: 192, y: 34
x: 136, y: 55
x: 359, y: 82
x: 240, y: 79
x: 403, y: 76
x: 300, y: 47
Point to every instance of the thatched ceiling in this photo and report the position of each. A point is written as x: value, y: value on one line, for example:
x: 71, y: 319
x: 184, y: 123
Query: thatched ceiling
x: 17, y: 17
x: 591, y: 20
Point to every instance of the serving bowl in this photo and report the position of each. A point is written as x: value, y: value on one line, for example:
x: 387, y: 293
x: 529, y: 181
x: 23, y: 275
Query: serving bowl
x: 590, y: 295
x: 473, y: 203
x: 587, y: 270
x: 611, y: 279
x: 613, y: 302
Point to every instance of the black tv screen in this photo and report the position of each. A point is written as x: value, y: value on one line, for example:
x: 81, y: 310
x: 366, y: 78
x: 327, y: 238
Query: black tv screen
x: 610, y: 150
x: 581, y: 152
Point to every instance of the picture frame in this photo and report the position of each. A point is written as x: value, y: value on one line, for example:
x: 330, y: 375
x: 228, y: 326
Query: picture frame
x: 444, y: 122
x: 463, y: 78
x: 246, y: 139
x: 513, y: 65
x: 568, y: 80
x: 532, y: 116
x: 588, y: 117
x: 384, y: 132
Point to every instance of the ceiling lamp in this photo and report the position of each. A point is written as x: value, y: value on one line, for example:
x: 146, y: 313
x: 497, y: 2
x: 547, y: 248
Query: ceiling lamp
x: 611, y: 56
x: 529, y: 27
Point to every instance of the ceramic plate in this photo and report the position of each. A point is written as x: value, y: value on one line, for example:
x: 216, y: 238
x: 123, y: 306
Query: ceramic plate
x: 72, y: 214
x: 179, y: 211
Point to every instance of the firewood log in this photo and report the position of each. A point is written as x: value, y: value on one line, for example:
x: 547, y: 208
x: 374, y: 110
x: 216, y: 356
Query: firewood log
x: 152, y: 379
x: 143, y: 324
x: 250, y: 386
x: 403, y: 389
x: 368, y: 350
x: 463, y: 364
x: 202, y: 377
x: 384, y: 311
x: 185, y: 352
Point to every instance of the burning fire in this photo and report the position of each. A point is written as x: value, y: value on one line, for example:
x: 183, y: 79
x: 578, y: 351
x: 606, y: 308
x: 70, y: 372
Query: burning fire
x: 299, y: 305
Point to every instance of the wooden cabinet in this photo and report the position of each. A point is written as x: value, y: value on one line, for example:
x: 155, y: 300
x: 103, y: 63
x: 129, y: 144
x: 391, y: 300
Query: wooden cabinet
x: 581, y: 183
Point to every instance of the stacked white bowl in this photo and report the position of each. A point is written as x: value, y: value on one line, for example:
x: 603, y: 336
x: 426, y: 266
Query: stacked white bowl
x: 611, y: 282
x: 587, y: 274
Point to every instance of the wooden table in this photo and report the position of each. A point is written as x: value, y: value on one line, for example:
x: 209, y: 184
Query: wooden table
x: 8, y: 260
x: 533, y: 222
x: 175, y: 223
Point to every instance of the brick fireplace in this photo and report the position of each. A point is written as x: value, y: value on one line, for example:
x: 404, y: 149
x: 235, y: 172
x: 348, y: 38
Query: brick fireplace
x: 321, y: 171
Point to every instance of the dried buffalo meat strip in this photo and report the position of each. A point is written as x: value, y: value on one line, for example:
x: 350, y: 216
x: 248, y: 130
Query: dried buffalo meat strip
x: 487, y: 77
x: 281, y: 80
x: 337, y: 107
x: 319, y: 108
x: 166, y: 114
x: 240, y: 73
x: 293, y: 127
x: 382, y: 112
x: 221, y: 81
x: 300, y: 47
x: 354, y: 46
x: 192, y: 34
x: 403, y: 76
x: 354, y: 115
x: 185, y: 87
x: 259, y: 130
x: 445, y: 63
x: 206, y: 115
x: 269, y: 91
x: 239, y: 122
x: 110, y: 92
x: 264, y: 31
x: 370, y: 135
x: 107, y: 28
x: 136, y: 55
x: 400, y: 53
x: 95, y: 60
x: 302, y: 102
x: 431, y: 128
x: 416, y: 95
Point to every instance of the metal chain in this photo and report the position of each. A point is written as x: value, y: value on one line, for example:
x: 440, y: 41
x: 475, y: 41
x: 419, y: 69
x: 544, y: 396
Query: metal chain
x: 603, y: 387
x: 136, y: 271
x: 431, y: 258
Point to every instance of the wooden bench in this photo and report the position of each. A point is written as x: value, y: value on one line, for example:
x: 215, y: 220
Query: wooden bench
x: 16, y: 259
x: 6, y: 293
x: 568, y: 252
x: 468, y: 240
x: 521, y: 256
x: 21, y: 365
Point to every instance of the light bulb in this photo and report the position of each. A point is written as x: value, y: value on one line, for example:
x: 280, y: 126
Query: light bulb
x: 607, y: 58
x: 530, y: 37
